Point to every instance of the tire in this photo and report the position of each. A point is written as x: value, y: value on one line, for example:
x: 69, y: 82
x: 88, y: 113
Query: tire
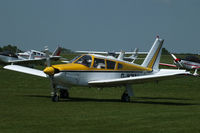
x: 125, y: 98
x: 64, y: 93
x: 55, y: 98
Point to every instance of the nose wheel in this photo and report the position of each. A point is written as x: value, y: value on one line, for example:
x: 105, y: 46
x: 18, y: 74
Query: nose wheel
x: 55, y: 98
x: 64, y: 93
x: 54, y: 94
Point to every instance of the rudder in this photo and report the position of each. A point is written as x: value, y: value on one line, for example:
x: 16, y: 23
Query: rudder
x: 153, y: 58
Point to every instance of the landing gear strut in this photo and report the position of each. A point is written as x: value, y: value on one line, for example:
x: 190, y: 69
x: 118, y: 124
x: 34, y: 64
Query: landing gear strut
x: 127, y: 94
x: 55, y: 98
x: 54, y: 94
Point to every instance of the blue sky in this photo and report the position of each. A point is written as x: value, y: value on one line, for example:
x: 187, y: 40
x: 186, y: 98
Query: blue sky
x: 104, y: 25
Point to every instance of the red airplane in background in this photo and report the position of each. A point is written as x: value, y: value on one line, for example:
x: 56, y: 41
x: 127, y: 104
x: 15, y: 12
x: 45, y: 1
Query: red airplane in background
x: 189, y: 62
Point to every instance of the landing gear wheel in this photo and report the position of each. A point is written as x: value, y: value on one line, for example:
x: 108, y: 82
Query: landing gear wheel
x: 55, y: 98
x: 64, y: 93
x: 125, y: 97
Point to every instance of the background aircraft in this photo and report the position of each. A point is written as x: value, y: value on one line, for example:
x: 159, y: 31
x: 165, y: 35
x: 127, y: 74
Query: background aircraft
x: 119, y: 55
x: 28, y: 56
x: 95, y: 70
x: 190, y: 62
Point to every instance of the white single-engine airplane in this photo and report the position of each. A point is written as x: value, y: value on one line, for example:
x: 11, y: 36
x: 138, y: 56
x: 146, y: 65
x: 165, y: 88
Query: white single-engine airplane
x: 120, y: 55
x: 103, y: 71
x: 190, y: 62
x: 28, y: 56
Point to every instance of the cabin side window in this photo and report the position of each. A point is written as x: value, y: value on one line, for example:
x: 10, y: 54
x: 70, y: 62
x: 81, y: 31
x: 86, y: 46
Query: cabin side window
x: 120, y: 66
x: 99, y: 63
x: 110, y: 64
x: 85, y: 60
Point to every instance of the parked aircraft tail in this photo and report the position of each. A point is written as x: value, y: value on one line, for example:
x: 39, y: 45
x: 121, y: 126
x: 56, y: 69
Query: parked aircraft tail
x: 153, y: 58
x: 57, y: 51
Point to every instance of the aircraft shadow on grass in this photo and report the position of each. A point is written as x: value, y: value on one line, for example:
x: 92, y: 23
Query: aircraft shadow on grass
x: 138, y: 100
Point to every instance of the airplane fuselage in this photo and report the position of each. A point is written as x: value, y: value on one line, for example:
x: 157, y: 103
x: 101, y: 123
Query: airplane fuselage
x: 80, y: 72
x: 7, y: 59
x: 188, y: 64
x: 81, y: 78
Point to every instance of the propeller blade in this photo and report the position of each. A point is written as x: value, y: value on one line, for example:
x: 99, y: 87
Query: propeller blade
x: 48, y: 62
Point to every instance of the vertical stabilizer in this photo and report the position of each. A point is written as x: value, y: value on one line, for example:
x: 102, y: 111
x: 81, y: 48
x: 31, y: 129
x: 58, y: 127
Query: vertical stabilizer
x: 57, y: 51
x: 121, y: 55
x: 153, y: 58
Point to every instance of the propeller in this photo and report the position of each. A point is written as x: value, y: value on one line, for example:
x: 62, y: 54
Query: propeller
x: 176, y: 60
x: 48, y: 62
x: 49, y: 70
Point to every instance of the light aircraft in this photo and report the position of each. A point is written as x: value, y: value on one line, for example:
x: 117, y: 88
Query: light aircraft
x: 119, y: 55
x: 28, y: 56
x: 190, y: 62
x: 100, y: 71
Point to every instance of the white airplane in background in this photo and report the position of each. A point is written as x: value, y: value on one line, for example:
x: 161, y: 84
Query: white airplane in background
x: 28, y: 56
x: 120, y: 55
x: 95, y: 70
x: 190, y: 62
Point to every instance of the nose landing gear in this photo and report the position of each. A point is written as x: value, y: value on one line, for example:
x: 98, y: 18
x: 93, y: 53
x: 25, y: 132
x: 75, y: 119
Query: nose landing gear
x: 63, y: 93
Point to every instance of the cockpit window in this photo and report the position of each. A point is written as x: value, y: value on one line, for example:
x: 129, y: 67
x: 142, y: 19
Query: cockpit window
x: 110, y: 64
x: 85, y: 60
x: 99, y: 63
x: 120, y: 66
x: 74, y: 59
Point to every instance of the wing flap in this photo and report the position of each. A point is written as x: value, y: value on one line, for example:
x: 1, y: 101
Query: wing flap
x: 26, y: 70
x: 161, y: 75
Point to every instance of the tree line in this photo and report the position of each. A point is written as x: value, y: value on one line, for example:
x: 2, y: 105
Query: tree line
x: 10, y: 48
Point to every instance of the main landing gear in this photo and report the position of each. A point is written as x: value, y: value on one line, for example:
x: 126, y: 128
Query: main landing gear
x: 127, y: 94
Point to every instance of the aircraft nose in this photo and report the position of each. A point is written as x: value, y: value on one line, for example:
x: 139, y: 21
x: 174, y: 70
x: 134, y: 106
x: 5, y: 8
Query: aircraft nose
x: 177, y: 59
x: 49, y: 70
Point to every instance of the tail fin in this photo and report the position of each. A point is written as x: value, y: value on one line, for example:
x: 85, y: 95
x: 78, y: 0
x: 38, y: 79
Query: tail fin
x: 134, y: 56
x: 57, y: 51
x: 153, y: 58
x: 121, y: 55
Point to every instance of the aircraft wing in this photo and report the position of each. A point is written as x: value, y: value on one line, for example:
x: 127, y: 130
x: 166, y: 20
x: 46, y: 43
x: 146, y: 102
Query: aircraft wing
x: 196, y: 67
x: 32, y: 61
x: 170, y: 65
x: 26, y: 70
x: 102, y: 52
x: 161, y: 75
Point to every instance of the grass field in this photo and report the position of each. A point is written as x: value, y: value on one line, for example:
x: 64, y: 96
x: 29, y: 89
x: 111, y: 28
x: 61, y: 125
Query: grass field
x: 171, y: 106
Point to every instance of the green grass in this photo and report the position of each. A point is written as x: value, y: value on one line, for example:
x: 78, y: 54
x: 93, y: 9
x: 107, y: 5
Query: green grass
x: 171, y: 106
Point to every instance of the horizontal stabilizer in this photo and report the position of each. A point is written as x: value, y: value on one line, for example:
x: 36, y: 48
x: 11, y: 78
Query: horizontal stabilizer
x: 101, y: 52
x: 26, y: 70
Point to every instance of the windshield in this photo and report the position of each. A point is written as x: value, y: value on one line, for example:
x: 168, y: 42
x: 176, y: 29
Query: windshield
x: 74, y: 59
x: 85, y: 60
